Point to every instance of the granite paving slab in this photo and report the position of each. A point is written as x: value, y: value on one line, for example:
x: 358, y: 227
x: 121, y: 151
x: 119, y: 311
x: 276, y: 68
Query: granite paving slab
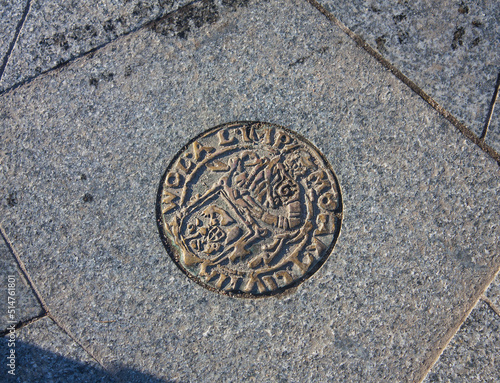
x: 474, y: 353
x: 421, y: 203
x: 57, y: 31
x: 493, y: 292
x: 18, y: 303
x: 451, y: 48
x: 45, y: 353
x: 11, y: 13
x: 493, y: 134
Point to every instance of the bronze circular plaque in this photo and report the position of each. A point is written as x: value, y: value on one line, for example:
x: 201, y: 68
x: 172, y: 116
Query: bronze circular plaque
x: 249, y: 209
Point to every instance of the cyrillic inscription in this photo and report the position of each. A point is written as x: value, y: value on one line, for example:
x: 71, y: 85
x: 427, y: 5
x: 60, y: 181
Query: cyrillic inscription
x: 249, y: 209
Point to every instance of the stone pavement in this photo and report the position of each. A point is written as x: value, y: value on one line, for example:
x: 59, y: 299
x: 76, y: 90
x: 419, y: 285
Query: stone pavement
x: 97, y: 98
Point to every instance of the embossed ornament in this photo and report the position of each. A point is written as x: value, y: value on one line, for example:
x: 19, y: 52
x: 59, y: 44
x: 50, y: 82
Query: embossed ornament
x: 249, y: 209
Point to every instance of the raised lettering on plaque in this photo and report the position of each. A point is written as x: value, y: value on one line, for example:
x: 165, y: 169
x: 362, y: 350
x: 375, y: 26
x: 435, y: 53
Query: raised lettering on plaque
x: 249, y: 209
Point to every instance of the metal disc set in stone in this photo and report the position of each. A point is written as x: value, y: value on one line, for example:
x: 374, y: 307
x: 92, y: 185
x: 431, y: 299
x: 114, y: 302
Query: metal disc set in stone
x: 249, y: 209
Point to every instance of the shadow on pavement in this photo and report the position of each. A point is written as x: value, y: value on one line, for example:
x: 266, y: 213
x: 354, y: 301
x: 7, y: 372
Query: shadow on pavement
x: 33, y: 364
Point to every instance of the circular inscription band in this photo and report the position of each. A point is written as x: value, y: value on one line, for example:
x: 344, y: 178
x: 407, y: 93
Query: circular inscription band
x: 249, y: 209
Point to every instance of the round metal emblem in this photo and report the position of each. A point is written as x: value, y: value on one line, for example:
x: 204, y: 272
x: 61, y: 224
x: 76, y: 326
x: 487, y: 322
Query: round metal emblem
x: 249, y: 209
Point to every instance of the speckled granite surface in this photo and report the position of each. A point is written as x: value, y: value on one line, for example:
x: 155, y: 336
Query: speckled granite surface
x: 47, y: 354
x: 493, y: 134
x: 493, y: 292
x: 55, y: 32
x: 474, y: 353
x: 22, y: 299
x: 419, y: 236
x: 10, y: 14
x: 450, y: 48
x: 103, y: 253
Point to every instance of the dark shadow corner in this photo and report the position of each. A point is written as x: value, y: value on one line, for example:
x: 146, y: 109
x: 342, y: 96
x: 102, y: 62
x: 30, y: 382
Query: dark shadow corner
x: 33, y: 364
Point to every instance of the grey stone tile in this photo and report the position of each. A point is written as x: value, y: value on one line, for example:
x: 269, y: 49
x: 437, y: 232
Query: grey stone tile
x: 45, y: 353
x: 10, y: 14
x: 493, y: 134
x: 16, y: 293
x: 493, y: 292
x: 451, y: 49
x: 418, y: 241
x: 474, y: 353
x: 56, y: 31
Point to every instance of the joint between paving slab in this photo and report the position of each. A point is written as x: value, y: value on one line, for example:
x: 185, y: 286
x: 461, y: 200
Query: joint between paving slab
x: 491, y: 304
x: 429, y: 364
x: 25, y: 323
x: 41, y: 301
x: 479, y: 141
x: 23, y: 269
x: 75, y: 339
x: 492, y: 108
x: 412, y: 85
x: 84, y: 54
x: 20, y: 25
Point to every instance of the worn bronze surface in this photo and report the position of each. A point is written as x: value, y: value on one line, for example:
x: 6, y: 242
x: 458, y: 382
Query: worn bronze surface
x: 249, y: 209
